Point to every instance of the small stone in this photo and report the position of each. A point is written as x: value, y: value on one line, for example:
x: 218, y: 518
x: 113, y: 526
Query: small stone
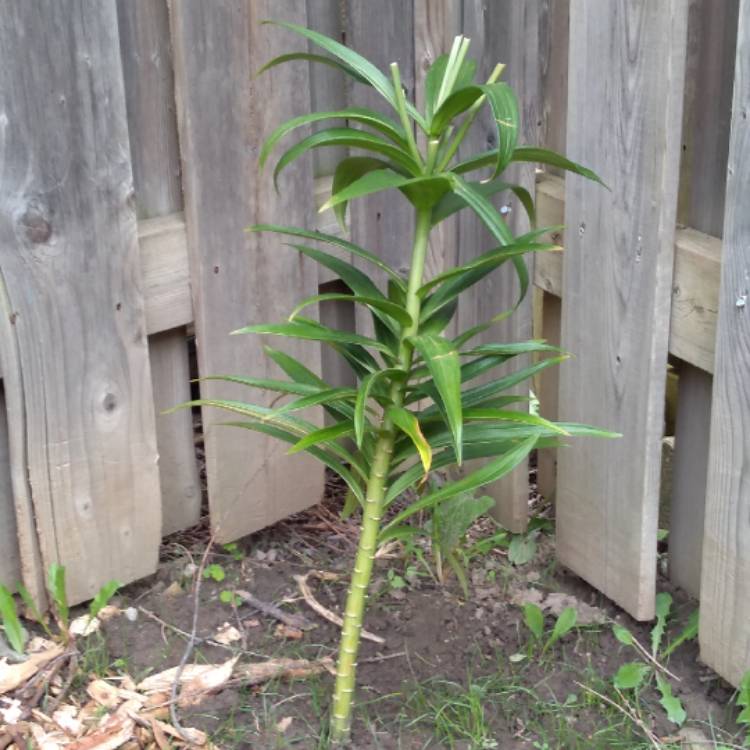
x: 131, y: 614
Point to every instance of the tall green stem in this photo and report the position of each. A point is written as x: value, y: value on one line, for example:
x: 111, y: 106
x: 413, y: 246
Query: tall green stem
x: 373, y: 509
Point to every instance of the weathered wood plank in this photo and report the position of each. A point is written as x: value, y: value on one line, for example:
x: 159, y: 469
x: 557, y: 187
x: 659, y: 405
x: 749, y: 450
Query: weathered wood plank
x: 238, y: 278
x: 725, y: 584
x: 689, y: 474
x: 146, y: 53
x: 623, y: 121
x: 503, y: 32
x: 695, y: 286
x: 384, y: 33
x: 10, y: 557
x: 554, y: 19
x: 712, y: 34
x: 69, y: 258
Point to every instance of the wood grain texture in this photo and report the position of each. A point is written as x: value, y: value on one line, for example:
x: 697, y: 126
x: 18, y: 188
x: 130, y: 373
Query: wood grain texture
x: 327, y: 84
x: 146, y: 53
x: 10, y: 557
x: 624, y: 122
x: 238, y: 278
x: 709, y: 74
x: 695, y: 285
x: 725, y: 584
x: 554, y: 19
x: 712, y: 35
x: 383, y: 32
x: 502, y: 32
x: 70, y: 263
x: 689, y: 475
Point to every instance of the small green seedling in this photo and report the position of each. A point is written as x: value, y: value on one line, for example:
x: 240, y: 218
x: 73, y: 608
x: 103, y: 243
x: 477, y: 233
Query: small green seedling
x: 229, y: 597
x: 534, y: 619
x: 634, y: 675
x: 14, y: 631
x: 234, y: 550
x: 59, y: 595
x: 103, y: 597
x: 742, y: 701
x: 215, y: 572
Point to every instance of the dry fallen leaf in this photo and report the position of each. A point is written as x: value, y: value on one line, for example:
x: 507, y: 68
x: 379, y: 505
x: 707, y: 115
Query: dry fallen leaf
x: 174, y: 589
x: 195, y: 736
x: 13, y: 675
x: 85, y: 625
x: 104, y: 694
x: 113, y: 732
x: 66, y: 717
x: 207, y: 682
x: 255, y: 674
x: 10, y: 711
x: 284, y: 724
x: 227, y: 634
x: 251, y: 623
x: 284, y: 631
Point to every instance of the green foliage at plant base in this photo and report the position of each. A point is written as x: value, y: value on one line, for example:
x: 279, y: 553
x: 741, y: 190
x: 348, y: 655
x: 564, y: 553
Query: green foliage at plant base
x: 416, y: 407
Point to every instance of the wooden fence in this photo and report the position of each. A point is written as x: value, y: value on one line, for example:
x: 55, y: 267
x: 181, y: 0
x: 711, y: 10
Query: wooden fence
x: 129, y: 134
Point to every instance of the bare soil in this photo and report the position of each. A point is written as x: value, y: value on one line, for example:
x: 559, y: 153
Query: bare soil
x: 438, y: 645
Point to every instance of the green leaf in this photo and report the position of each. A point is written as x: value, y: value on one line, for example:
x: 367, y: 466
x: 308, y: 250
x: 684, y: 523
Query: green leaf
x: 442, y: 360
x: 294, y: 368
x: 432, y: 81
x: 670, y: 703
x: 315, y: 399
x: 105, y: 593
x: 528, y: 154
x: 308, y: 57
x: 663, y: 607
x: 323, y: 435
x: 214, y: 571
x: 306, y: 330
x: 346, y: 137
x: 505, y: 415
x: 408, y: 423
x: 31, y: 607
x: 348, y: 171
x: 363, y: 67
x: 489, y: 472
x: 534, y: 619
x: 392, y: 310
x: 59, y: 593
x: 565, y: 622
x: 504, y: 105
x: 356, y: 114
x: 623, y: 635
x: 454, y: 517
x: 451, y: 203
x: 332, y: 239
x: 521, y: 549
x: 688, y: 633
x: 14, y: 631
x: 266, y: 384
x: 630, y: 676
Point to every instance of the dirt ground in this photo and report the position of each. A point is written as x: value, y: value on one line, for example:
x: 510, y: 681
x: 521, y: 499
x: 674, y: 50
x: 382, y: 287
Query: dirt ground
x: 453, y: 672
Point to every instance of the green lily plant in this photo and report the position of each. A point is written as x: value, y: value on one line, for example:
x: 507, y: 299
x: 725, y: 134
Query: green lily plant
x: 415, y: 408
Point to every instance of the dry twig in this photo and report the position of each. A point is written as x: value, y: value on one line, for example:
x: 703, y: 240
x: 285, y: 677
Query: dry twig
x: 324, y: 612
x: 293, y: 621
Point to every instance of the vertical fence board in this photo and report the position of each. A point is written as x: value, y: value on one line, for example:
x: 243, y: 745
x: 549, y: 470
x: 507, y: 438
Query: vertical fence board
x: 240, y: 278
x: 384, y: 33
x: 712, y: 31
x: 70, y: 262
x: 10, y: 561
x: 149, y: 91
x: 554, y: 20
x: 617, y: 277
x: 725, y: 586
x: 503, y: 32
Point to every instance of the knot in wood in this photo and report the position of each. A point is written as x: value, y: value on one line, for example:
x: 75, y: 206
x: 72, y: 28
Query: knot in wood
x: 35, y: 226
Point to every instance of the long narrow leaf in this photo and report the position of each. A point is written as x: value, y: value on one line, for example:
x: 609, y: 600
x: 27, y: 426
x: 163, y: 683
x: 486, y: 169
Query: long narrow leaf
x: 441, y: 358
x: 360, y: 115
x: 451, y: 203
x: 14, y: 631
x: 327, y: 435
x: 315, y: 399
x: 490, y: 472
x: 332, y: 239
x: 392, y: 310
x: 310, y: 57
x: 346, y: 137
x: 408, y: 423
